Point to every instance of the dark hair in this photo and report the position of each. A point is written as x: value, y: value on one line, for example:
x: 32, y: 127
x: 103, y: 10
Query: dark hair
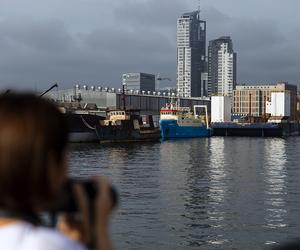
x: 31, y: 129
x: 294, y: 245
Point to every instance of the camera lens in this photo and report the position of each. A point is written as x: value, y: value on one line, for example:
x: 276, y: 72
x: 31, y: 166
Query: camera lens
x: 66, y: 201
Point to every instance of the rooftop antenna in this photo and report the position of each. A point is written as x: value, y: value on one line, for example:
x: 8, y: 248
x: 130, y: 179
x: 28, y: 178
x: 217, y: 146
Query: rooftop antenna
x: 199, y: 9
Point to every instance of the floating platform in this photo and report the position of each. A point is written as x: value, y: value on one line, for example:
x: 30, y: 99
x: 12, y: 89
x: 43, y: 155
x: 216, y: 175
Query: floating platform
x: 256, y: 129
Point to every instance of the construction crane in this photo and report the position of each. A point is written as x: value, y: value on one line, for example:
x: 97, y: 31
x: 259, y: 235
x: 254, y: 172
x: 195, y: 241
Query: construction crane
x: 158, y: 78
x: 163, y: 78
x: 48, y: 90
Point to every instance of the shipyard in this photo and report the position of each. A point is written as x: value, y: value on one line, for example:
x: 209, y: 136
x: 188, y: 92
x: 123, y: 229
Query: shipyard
x: 254, y: 110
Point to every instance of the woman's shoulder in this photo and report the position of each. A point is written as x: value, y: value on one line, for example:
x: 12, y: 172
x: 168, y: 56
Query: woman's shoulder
x: 50, y: 239
x: 25, y: 236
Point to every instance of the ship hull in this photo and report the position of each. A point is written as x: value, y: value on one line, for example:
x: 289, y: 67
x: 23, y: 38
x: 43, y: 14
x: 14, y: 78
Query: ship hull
x: 126, y: 134
x: 170, y: 129
x: 76, y: 137
x: 82, y: 127
x: 127, y: 126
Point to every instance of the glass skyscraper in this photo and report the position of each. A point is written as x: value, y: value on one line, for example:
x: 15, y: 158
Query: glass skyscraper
x: 191, y: 51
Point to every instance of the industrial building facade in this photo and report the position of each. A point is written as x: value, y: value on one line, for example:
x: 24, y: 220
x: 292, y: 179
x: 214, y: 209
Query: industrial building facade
x: 191, y: 52
x: 103, y: 98
x: 139, y: 81
x: 221, y: 67
x: 252, y: 100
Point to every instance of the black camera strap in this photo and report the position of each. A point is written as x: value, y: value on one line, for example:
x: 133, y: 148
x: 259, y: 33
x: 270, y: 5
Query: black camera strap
x: 27, y: 216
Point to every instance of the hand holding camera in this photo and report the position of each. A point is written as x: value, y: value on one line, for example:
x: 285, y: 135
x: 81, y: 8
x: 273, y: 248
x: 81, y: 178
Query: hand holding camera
x: 85, y: 207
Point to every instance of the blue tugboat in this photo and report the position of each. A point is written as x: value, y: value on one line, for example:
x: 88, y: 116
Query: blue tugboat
x: 180, y: 122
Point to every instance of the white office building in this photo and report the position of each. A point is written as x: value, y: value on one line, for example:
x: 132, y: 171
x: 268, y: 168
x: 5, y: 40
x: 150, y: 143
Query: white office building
x: 221, y: 67
x: 225, y: 70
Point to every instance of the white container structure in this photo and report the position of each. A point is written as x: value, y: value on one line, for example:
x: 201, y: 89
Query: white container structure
x: 220, y: 109
x: 280, y: 104
x: 268, y: 107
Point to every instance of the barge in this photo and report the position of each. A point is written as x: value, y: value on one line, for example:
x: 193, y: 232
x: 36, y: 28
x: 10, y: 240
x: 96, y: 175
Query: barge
x: 256, y: 129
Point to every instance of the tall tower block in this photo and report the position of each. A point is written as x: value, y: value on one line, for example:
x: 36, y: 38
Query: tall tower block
x: 191, y: 52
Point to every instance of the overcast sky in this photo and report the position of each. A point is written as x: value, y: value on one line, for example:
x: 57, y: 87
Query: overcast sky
x: 94, y: 41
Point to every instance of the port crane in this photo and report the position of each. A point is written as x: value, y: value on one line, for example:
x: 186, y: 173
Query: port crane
x: 48, y: 90
x: 159, y: 78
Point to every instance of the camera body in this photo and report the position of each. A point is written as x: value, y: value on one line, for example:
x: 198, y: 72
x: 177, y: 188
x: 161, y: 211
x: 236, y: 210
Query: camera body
x: 66, y: 201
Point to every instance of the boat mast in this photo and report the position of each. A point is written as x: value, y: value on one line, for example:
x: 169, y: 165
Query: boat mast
x: 123, y: 91
x: 123, y: 96
x: 178, y: 98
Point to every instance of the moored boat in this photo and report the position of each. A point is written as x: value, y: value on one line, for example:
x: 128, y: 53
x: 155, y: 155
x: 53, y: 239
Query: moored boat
x: 180, y: 122
x: 82, y: 125
x: 127, y: 126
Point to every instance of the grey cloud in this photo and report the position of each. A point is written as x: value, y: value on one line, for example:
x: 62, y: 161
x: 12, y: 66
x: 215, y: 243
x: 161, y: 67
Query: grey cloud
x: 99, y: 40
x: 128, y: 51
x: 256, y: 34
x: 249, y: 33
x: 276, y: 63
x: 215, y: 17
x: 32, y: 51
x: 121, y: 41
x: 152, y: 14
x: 266, y: 52
x: 99, y: 56
x: 45, y: 35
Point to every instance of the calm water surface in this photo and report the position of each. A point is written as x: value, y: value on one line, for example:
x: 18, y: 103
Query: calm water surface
x: 215, y: 193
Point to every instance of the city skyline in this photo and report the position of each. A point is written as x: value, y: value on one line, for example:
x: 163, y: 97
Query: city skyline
x: 98, y: 40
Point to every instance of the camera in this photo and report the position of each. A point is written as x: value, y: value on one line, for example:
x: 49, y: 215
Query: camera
x: 66, y: 201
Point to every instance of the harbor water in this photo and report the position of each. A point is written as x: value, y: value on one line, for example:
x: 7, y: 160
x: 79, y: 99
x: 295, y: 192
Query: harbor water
x: 206, y: 193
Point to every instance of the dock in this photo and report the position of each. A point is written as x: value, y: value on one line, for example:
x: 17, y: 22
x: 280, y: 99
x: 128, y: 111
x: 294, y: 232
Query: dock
x: 256, y: 129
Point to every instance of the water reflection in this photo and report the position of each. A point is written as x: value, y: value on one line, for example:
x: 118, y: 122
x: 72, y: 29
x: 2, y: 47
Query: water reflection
x: 215, y: 193
x: 275, y: 174
x: 217, y: 174
x: 196, y: 194
x: 174, y: 162
x: 205, y: 191
x: 140, y: 190
x: 217, y: 188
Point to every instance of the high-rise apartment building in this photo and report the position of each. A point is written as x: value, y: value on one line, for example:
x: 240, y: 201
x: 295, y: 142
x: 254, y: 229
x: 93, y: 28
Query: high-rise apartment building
x: 191, y: 51
x: 221, y: 67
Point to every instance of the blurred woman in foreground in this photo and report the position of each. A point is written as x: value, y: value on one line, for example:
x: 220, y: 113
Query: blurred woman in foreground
x: 33, y: 169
